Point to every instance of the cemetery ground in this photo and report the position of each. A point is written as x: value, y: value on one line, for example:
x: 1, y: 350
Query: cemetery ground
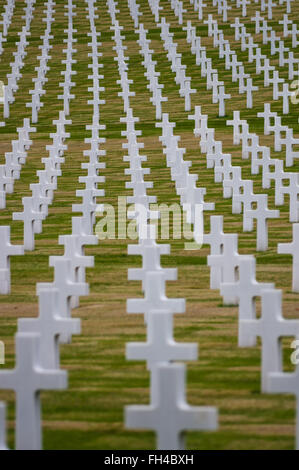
x: 90, y: 413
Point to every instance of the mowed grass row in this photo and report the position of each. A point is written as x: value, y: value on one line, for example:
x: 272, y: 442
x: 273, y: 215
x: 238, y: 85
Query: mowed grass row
x: 101, y: 382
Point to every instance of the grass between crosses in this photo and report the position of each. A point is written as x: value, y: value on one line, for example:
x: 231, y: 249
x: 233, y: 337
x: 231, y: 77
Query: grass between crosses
x: 90, y: 413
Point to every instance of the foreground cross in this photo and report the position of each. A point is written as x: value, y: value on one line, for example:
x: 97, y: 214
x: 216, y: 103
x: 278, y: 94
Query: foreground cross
x: 27, y: 380
x: 168, y: 413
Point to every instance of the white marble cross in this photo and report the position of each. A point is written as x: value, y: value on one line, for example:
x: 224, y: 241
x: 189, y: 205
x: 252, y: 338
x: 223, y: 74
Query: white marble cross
x: 285, y: 23
x: 27, y: 380
x: 278, y: 130
x: 275, y: 80
x: 28, y: 216
x: 249, y: 88
x: 196, y: 117
x: 50, y: 326
x: 168, y: 414
x: 282, y: 49
x: 186, y: 92
x: 228, y: 262
x: 151, y: 253
x: 160, y: 346
x: 285, y: 93
x: 210, y: 22
x: 270, y: 327
x: 89, y: 205
x: 222, y: 96
x: 244, y: 4
x: 237, y: 124
x: 258, y: 19
x: 261, y: 214
x: 291, y: 61
x: 267, y: 114
x: 215, y: 240
x: 66, y: 284
x: 155, y: 298
x: 243, y: 195
x: 294, y: 33
x: 247, y: 289
x: 6, y: 185
x: 7, y: 250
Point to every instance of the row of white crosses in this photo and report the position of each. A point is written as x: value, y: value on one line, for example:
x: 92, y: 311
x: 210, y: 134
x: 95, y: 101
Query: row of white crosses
x: 265, y: 161
x: 224, y: 170
x: 266, y: 6
x: 151, y: 74
x: 15, y: 159
x: 89, y: 206
x: 271, y: 327
x: 134, y: 12
x: 241, y: 191
x: 11, y: 169
x: 263, y: 63
x: 95, y: 77
x: 224, y: 260
x: 291, y: 61
x: 176, y: 64
x: 231, y: 62
x: 285, y: 22
x: 254, y: 54
x: 279, y: 176
x: 6, y: 21
x: 35, y: 207
x: 168, y: 413
x: 191, y: 196
x: 262, y: 26
x: 219, y: 95
x: 67, y: 83
x: 16, y: 66
x: 38, y: 339
x: 43, y: 67
x: 223, y: 270
x: 286, y: 183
